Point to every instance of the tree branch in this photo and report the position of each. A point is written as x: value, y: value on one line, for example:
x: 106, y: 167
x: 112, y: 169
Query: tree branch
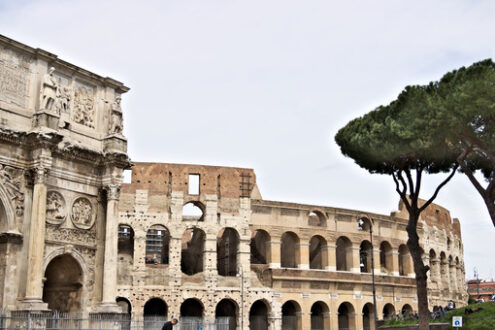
x: 440, y: 186
x: 402, y: 193
x: 469, y: 173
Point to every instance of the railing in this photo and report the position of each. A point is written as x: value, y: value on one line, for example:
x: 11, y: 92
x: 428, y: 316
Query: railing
x: 69, y: 321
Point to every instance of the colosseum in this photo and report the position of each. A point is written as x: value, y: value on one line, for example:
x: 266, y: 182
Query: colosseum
x: 187, y: 241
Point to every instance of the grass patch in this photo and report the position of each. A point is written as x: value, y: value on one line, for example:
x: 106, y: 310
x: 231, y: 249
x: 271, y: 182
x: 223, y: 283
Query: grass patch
x: 484, y: 319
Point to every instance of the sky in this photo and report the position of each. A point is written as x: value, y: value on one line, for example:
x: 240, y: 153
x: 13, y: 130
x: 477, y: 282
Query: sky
x: 267, y: 84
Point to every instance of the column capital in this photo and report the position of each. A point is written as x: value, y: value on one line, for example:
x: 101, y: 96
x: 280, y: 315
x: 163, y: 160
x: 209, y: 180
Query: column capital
x: 40, y: 175
x: 113, y: 192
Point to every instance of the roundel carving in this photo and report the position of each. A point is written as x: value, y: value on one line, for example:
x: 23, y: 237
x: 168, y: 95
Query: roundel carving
x: 82, y: 213
x: 55, y: 208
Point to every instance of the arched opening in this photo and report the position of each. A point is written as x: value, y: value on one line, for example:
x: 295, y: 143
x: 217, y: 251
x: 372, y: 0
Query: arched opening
x: 320, y: 316
x: 318, y: 252
x: 316, y: 218
x: 432, y: 262
x: 448, y: 243
x: 125, y: 254
x: 227, y: 250
x: 260, y: 247
x: 452, y: 273
x: 289, y: 250
x: 193, y: 211
x: 364, y: 224
x: 154, y: 313
x: 458, y: 274
x: 368, y: 318
x: 62, y: 288
x: 191, y: 313
x: 406, y: 311
x: 125, y: 305
x: 258, y: 316
x: 405, y: 262
x: 386, y: 255
x: 157, y: 245
x: 365, y: 253
x: 226, y: 314
x: 193, y: 243
x: 291, y: 316
x: 344, y: 254
x: 346, y: 318
x: 388, y: 311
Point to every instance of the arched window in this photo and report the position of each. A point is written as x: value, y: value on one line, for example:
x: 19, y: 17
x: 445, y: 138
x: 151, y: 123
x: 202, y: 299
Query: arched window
x: 346, y: 316
x: 193, y: 243
x: 260, y: 247
x: 193, y: 211
x: 388, y: 311
x: 191, y: 313
x: 386, y: 255
x: 62, y: 288
x: 258, y: 315
x: 320, y: 316
x: 227, y: 250
x: 344, y: 254
x: 289, y: 250
x: 226, y: 313
x: 317, y: 252
x: 368, y: 318
x: 291, y: 316
x: 316, y: 218
x: 406, y: 310
x: 157, y: 245
x: 365, y: 253
x: 125, y: 254
x: 125, y: 305
x: 154, y: 313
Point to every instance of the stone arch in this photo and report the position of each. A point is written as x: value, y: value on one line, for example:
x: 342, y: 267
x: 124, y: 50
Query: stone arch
x: 62, y: 290
x: 317, y: 218
x: 318, y: 255
x: 386, y: 257
x: 125, y: 305
x: 157, y: 245
x: 191, y: 312
x: 193, y: 245
x: 365, y: 253
x: 406, y: 310
x: 291, y: 315
x: 258, y: 315
x: 227, y: 310
x: 320, y: 316
x: 289, y: 250
x: 405, y: 261
x: 193, y: 211
x: 346, y: 316
x: 364, y: 224
x: 388, y: 311
x: 368, y: 316
x: 260, y: 247
x: 155, y: 307
x: 343, y: 253
x: 227, y: 251
x: 125, y: 253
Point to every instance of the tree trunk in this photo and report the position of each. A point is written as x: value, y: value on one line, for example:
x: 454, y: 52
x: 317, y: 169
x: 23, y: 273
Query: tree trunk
x: 490, y: 205
x: 419, y: 269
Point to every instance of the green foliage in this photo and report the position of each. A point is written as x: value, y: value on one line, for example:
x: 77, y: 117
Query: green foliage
x: 483, y: 319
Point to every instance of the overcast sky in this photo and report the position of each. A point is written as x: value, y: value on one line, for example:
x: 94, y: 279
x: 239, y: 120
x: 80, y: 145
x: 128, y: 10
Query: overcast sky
x: 267, y: 84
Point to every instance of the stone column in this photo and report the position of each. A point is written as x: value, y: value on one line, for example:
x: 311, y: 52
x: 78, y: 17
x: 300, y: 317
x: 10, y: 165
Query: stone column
x: 332, y: 262
x: 376, y: 261
x: 108, y: 303
x: 275, y: 254
x: 303, y: 255
x: 356, y: 260
x: 33, y: 299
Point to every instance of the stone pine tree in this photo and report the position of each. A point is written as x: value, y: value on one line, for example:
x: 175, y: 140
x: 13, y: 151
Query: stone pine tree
x: 464, y: 102
x: 400, y: 140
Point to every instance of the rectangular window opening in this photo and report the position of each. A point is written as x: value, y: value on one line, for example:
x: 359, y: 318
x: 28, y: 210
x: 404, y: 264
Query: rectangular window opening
x: 193, y: 184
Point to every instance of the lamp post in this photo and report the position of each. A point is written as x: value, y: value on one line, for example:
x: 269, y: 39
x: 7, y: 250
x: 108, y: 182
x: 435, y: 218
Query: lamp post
x: 360, y: 227
x: 240, y: 273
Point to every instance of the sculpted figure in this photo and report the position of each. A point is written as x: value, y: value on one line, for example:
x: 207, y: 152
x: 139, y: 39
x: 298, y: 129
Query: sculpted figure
x: 49, y: 90
x: 116, y: 119
x: 82, y: 212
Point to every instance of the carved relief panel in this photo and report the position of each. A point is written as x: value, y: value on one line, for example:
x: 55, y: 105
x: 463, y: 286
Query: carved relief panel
x: 83, y: 213
x: 15, y: 76
x: 55, y: 208
x: 84, y: 111
x: 12, y: 180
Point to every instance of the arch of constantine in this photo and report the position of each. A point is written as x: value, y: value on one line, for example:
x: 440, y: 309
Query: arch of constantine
x: 186, y: 241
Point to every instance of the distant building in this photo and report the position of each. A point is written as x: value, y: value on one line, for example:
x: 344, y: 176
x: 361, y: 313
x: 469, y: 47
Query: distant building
x: 479, y: 289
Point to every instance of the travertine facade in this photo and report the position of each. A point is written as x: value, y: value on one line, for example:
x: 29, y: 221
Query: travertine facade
x: 180, y: 240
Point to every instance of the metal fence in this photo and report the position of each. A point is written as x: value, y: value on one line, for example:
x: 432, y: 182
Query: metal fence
x: 65, y: 321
